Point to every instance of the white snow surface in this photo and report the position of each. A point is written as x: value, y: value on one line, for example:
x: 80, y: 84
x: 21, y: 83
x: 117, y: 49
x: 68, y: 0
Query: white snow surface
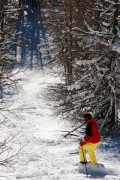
x: 47, y: 155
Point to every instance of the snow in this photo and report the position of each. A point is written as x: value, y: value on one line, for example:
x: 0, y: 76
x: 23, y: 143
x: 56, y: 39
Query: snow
x: 96, y: 170
x: 116, y: 47
x: 25, y: 13
x: 74, y: 86
x: 88, y: 62
x: 111, y: 5
x: 46, y: 154
x: 35, y: 135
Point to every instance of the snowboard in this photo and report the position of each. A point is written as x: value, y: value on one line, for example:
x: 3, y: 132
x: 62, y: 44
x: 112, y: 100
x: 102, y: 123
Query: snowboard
x: 92, y: 169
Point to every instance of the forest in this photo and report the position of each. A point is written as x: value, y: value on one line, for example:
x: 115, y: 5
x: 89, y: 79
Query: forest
x: 84, y: 45
x: 58, y: 59
x: 85, y: 37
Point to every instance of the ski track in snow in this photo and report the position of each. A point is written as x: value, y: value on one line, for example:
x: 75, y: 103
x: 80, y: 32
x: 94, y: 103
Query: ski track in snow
x: 47, y: 155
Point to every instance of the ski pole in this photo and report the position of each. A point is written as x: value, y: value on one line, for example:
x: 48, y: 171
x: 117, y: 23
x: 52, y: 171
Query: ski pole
x: 84, y: 161
x: 73, y: 130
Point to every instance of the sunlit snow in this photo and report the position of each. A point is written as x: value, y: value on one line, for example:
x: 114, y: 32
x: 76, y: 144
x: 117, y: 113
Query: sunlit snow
x: 47, y: 155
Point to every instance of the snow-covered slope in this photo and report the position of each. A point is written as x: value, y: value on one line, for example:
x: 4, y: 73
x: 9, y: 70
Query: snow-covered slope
x: 47, y: 155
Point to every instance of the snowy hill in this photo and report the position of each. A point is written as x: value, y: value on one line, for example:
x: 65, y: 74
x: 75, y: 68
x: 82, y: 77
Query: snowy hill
x: 47, y: 155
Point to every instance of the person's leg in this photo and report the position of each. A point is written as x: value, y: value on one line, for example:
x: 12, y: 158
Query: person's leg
x: 90, y: 147
x: 82, y: 154
x: 91, y: 153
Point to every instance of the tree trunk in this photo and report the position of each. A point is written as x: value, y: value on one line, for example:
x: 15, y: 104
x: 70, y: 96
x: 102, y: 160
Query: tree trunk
x: 116, y: 14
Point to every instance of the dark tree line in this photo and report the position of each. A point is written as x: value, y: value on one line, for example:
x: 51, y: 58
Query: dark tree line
x: 35, y: 3
x: 8, y: 14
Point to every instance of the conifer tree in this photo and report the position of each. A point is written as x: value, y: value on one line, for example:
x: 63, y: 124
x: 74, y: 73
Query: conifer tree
x: 8, y: 14
x: 60, y: 20
x: 98, y: 80
x: 87, y: 34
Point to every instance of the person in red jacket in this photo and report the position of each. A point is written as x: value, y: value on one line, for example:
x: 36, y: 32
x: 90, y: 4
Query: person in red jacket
x: 91, y: 139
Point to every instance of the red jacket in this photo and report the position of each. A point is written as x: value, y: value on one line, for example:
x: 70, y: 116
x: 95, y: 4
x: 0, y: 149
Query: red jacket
x: 92, y: 134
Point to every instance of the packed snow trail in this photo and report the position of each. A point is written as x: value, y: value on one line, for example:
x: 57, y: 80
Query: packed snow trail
x: 47, y: 155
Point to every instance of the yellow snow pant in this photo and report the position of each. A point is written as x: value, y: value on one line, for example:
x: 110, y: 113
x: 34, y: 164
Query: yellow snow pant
x: 90, y: 147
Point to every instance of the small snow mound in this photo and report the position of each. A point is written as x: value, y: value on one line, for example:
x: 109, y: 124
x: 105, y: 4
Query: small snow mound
x: 92, y: 169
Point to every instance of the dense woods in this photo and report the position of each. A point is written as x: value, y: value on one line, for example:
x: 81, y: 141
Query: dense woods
x: 86, y: 44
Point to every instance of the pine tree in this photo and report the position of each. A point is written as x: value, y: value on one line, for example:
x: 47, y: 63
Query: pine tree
x: 98, y: 83
x: 86, y: 36
x: 8, y: 14
x: 60, y: 20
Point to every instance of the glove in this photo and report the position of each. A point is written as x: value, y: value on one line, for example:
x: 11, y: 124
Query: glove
x: 82, y: 143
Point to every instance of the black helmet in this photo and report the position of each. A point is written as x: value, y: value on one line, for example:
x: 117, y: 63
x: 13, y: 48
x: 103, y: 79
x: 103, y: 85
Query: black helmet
x: 87, y: 115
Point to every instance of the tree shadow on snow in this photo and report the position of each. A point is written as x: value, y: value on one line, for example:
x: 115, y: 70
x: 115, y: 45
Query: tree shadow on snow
x: 33, y: 46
